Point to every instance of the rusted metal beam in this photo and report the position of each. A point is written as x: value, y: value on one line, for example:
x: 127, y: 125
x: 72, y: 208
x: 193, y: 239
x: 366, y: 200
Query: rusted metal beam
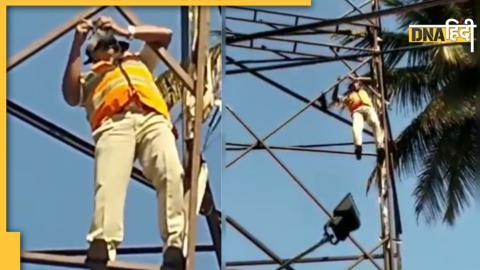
x: 297, y: 60
x: 51, y: 37
x: 185, y: 25
x: 350, y: 57
x: 275, y: 25
x: 321, y: 145
x: 308, y: 43
x: 385, y: 190
x: 358, y: 10
x: 79, y: 262
x: 200, y: 60
x: 303, y: 260
x: 277, y: 13
x: 255, y: 240
x: 353, y: 9
x: 120, y: 250
x: 213, y: 216
x: 266, y: 49
x: 298, y: 149
x: 374, y: 14
x: 362, y: 258
x: 164, y: 55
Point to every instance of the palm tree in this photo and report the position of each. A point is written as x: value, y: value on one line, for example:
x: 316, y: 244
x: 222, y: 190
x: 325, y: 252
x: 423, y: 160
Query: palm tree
x: 441, y: 146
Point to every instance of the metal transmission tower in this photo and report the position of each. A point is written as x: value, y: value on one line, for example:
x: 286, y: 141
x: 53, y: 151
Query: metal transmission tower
x: 75, y: 257
x: 276, y: 41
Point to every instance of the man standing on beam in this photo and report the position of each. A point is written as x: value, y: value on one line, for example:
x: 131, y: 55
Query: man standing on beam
x: 129, y: 120
x: 360, y: 105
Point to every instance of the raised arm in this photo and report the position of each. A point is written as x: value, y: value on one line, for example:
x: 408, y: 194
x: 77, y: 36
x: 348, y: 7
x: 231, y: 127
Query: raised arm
x: 335, y: 93
x: 152, y: 34
x: 337, y: 101
x: 335, y: 97
x: 71, y: 86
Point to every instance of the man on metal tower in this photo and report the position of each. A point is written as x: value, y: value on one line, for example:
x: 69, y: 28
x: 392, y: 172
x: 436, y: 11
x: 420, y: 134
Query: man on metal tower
x: 360, y: 105
x: 129, y: 120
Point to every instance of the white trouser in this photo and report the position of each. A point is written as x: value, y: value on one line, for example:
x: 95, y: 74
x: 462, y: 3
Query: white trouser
x: 118, y: 142
x: 370, y: 115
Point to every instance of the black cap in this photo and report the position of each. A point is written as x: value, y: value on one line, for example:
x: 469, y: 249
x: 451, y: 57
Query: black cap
x: 101, y: 38
x: 351, y: 86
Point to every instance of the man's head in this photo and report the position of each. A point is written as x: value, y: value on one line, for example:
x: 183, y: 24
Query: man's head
x: 354, y: 86
x: 102, y: 45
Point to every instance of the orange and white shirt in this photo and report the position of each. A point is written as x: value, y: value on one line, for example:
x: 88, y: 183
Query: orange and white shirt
x: 355, y: 99
x: 108, y: 87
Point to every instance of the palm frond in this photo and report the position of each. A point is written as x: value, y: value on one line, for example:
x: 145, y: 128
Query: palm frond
x: 463, y: 171
x: 433, y: 15
x: 416, y: 84
x: 420, y: 136
x: 429, y: 192
x: 450, y: 176
x: 442, y: 143
x: 412, y: 87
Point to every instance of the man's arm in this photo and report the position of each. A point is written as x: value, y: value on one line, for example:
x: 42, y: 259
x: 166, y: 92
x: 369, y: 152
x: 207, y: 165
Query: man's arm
x: 335, y: 93
x: 71, y: 86
x: 154, y: 36
x: 157, y: 35
x: 335, y: 97
x: 149, y: 57
x: 337, y: 101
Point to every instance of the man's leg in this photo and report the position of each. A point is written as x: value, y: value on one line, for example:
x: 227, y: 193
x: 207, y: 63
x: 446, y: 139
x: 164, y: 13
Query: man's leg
x: 357, y: 128
x: 158, y: 154
x: 374, y: 123
x: 114, y: 156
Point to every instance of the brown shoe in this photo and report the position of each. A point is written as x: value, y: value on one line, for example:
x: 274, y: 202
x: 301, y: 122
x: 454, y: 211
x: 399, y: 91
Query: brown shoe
x: 380, y: 155
x: 173, y: 259
x: 97, y: 255
x: 358, y: 152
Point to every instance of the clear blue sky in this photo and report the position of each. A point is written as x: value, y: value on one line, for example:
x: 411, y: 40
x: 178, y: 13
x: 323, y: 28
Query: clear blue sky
x: 50, y: 185
x: 263, y: 198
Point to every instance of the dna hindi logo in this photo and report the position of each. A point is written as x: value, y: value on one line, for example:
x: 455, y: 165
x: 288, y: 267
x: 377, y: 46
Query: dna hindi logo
x: 453, y: 31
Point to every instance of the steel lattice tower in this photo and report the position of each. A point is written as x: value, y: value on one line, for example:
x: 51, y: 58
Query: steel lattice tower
x: 279, y: 47
x: 75, y: 257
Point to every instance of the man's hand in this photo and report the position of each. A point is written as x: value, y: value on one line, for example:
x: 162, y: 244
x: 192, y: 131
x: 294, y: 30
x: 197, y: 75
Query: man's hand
x: 81, y: 31
x: 107, y: 23
x: 151, y: 34
x: 335, y: 97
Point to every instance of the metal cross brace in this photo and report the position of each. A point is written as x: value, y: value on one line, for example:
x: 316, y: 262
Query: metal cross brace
x: 298, y: 182
x: 305, y: 107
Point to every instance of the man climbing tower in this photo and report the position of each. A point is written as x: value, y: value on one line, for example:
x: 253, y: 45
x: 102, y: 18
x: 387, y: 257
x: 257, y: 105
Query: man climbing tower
x: 129, y: 120
x: 360, y: 105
